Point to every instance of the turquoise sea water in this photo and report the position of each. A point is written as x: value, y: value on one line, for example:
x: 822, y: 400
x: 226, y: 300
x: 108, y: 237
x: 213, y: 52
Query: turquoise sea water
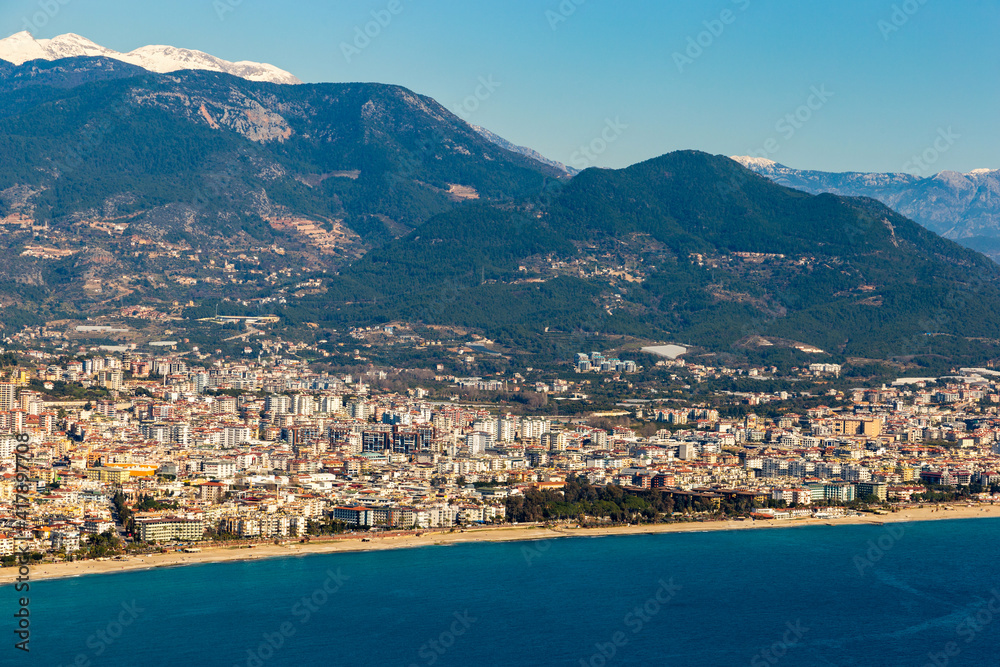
x: 903, y: 594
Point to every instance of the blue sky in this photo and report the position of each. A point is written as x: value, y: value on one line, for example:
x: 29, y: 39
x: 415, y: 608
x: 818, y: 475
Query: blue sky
x: 863, y: 85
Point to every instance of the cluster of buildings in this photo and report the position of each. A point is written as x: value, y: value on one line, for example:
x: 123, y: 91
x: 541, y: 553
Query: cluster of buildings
x: 272, y: 449
x: 598, y: 363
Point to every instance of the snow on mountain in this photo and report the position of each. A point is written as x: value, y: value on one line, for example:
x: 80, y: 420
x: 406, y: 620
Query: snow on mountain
x: 850, y: 183
x: 757, y: 163
x: 522, y: 150
x: 22, y: 47
x: 962, y: 207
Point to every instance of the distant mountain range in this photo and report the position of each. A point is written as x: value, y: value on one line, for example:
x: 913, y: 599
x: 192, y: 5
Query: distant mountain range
x: 22, y: 47
x: 963, y: 207
x: 523, y: 150
x: 346, y: 204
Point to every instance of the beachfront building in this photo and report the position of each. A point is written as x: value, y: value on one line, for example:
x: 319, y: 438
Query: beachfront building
x: 6, y: 544
x: 69, y: 540
x: 841, y: 493
x: 355, y: 516
x: 162, y: 529
x: 877, y: 489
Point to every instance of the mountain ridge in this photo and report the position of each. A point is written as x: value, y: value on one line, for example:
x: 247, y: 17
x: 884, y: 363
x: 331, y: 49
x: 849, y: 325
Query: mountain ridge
x: 113, y: 159
x: 22, y: 47
x: 685, y: 245
x: 962, y: 207
x: 524, y: 150
x: 339, y: 205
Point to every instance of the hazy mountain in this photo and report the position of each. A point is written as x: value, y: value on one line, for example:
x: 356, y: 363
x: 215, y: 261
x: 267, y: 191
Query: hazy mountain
x: 22, y: 47
x: 687, y: 245
x: 963, y: 207
x: 523, y: 150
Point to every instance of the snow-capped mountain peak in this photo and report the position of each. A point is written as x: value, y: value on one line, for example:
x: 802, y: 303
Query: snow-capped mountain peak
x: 756, y: 163
x: 962, y: 207
x: 22, y: 47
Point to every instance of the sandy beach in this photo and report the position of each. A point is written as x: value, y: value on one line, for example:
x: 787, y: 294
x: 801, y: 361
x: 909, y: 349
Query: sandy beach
x: 458, y: 536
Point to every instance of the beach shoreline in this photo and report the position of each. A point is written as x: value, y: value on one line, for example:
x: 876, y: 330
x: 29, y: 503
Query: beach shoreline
x: 505, y: 533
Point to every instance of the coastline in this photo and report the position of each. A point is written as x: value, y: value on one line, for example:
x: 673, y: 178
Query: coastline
x: 507, y: 533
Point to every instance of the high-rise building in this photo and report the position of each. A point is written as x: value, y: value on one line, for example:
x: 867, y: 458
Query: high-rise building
x: 201, y: 381
x: 8, y: 395
x: 506, y: 429
x: 31, y: 402
x: 478, y: 442
x: 224, y: 405
x: 110, y: 379
x: 235, y: 435
x: 304, y: 404
x: 328, y: 404
x: 533, y: 428
x: 278, y: 404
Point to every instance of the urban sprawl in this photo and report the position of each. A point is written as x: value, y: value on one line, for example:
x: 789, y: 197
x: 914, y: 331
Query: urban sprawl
x: 268, y: 449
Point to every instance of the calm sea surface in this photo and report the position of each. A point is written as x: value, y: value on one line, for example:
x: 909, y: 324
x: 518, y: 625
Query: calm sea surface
x: 904, y: 594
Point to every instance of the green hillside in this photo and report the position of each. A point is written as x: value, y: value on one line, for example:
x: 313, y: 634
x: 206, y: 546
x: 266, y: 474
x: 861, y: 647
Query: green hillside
x: 348, y: 204
x: 846, y: 275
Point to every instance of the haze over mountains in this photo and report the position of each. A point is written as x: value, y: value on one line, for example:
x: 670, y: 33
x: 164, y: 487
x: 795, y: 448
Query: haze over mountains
x: 524, y: 150
x: 343, y: 204
x: 963, y: 207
